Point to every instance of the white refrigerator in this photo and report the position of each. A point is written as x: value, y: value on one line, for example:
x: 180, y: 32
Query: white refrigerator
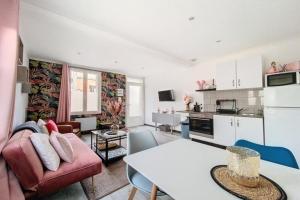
x: 282, y: 117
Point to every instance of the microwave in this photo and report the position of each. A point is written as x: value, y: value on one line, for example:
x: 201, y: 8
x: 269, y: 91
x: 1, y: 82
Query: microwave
x: 282, y: 78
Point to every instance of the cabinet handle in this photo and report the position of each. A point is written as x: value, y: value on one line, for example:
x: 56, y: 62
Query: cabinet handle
x: 238, y: 123
x: 231, y: 122
x: 233, y: 83
x: 239, y: 82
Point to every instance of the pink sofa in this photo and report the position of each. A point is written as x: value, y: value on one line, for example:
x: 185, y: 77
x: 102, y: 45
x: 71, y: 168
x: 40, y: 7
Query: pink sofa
x: 35, y: 180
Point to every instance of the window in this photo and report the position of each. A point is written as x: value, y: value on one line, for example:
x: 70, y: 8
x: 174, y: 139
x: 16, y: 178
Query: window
x: 85, y: 91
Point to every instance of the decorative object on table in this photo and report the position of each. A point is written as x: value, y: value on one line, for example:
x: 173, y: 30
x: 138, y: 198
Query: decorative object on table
x: 294, y: 66
x: 115, y: 108
x: 274, y: 68
x: 266, y: 189
x: 200, y: 84
x: 187, y: 100
x: 197, y: 107
x: 243, y: 165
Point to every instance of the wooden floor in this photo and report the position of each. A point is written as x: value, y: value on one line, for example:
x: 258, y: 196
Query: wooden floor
x: 123, y: 193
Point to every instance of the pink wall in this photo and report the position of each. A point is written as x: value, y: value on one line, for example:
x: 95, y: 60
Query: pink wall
x: 9, y: 23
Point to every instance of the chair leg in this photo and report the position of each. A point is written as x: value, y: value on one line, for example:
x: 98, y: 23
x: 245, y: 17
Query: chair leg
x: 153, y: 192
x: 132, y: 193
x: 93, y: 186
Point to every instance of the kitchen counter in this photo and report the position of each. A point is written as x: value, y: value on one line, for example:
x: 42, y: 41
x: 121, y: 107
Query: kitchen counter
x: 249, y: 115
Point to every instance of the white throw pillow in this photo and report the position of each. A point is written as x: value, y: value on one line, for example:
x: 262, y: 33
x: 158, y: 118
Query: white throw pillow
x: 42, y: 124
x: 46, y: 152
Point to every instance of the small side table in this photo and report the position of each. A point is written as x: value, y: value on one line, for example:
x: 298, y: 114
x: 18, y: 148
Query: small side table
x: 103, y: 148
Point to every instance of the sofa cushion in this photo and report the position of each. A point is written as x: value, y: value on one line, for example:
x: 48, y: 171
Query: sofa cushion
x: 62, y: 146
x: 23, y: 160
x: 51, y: 126
x: 42, y: 125
x: 46, y: 152
x: 86, y: 163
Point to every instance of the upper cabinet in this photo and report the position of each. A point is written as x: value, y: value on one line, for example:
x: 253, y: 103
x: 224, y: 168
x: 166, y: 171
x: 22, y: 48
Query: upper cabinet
x: 240, y: 74
x: 226, y: 76
x: 249, y: 72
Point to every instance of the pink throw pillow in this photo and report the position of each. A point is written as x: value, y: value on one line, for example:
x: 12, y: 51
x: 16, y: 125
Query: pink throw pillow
x: 62, y: 146
x: 51, y: 126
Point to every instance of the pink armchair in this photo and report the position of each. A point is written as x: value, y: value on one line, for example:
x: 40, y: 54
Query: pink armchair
x: 34, y: 179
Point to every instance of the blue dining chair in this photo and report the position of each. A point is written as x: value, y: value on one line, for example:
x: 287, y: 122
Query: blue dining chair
x: 136, y: 142
x: 278, y: 155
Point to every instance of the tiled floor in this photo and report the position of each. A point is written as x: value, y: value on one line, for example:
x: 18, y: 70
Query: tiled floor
x: 75, y: 191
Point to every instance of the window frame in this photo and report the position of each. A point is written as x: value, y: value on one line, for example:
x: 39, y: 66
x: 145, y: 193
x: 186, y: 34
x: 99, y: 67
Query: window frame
x: 85, y: 89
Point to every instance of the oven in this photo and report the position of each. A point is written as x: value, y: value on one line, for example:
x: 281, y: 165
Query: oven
x: 201, y: 126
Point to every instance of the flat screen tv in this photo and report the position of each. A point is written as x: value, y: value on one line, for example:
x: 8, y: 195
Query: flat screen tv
x: 166, y: 95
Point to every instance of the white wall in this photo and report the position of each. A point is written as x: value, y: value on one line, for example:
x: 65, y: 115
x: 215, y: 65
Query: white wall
x: 21, y: 99
x: 183, y: 81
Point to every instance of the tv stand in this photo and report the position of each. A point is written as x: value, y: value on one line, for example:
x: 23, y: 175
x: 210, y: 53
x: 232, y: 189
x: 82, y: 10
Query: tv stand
x: 166, y: 119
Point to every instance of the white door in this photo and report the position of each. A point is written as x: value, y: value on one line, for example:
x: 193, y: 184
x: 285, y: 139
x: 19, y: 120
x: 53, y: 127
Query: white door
x: 251, y: 129
x: 249, y: 72
x: 224, y: 130
x: 135, y: 102
x: 226, y: 75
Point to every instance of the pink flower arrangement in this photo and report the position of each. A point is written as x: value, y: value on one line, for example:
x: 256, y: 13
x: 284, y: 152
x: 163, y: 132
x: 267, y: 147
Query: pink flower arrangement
x: 115, y: 107
x: 187, y: 99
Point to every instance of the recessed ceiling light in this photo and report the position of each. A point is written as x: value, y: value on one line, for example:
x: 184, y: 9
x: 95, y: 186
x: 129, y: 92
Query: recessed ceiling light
x: 191, y: 18
x: 194, y: 59
x: 218, y: 41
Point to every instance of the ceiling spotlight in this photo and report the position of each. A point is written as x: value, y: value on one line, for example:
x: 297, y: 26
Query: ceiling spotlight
x: 191, y: 18
x: 194, y: 59
x: 116, y: 62
x: 78, y: 53
x: 218, y: 41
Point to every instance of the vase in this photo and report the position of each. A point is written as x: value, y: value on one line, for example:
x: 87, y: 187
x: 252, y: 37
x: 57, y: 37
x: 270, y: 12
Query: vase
x: 243, y: 166
x: 187, y: 107
x: 114, y: 128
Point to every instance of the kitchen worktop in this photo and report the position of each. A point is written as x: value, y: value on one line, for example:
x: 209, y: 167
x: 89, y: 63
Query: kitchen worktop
x: 249, y: 115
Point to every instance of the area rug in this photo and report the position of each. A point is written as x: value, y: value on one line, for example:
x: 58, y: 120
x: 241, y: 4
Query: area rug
x: 112, y: 178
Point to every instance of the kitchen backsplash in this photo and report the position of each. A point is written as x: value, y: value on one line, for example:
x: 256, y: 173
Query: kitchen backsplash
x: 250, y: 99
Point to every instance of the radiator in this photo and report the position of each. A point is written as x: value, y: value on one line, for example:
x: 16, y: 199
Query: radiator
x: 87, y: 123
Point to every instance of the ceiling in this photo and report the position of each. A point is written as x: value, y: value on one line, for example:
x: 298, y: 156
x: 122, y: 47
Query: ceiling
x: 139, y: 37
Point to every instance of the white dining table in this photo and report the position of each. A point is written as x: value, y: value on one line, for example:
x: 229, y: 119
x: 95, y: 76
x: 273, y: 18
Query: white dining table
x: 182, y: 169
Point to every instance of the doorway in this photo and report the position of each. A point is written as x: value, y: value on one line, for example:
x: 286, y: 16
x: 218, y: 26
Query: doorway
x: 135, y: 102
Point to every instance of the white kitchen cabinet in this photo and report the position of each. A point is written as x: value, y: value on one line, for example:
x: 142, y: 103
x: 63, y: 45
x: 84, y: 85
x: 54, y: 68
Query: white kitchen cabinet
x: 249, y: 72
x: 250, y: 129
x: 224, y: 130
x: 229, y: 129
x: 226, y: 76
x: 240, y: 74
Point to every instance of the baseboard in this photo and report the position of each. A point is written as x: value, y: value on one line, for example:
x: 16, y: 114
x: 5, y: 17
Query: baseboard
x: 175, y: 131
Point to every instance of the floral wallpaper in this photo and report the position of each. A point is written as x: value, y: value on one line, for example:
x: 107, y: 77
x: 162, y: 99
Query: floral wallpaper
x: 43, y: 99
x: 110, y: 83
x: 45, y: 85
